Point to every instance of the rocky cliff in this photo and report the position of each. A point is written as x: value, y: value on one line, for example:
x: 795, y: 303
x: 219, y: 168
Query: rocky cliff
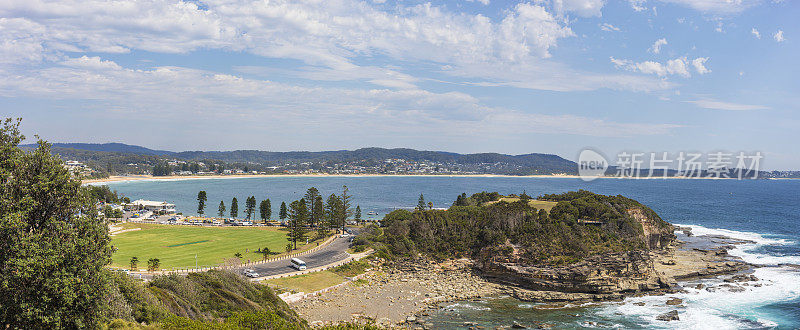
x: 598, y: 277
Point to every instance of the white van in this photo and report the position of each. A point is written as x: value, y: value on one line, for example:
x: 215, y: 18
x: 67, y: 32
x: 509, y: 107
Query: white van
x: 298, y: 264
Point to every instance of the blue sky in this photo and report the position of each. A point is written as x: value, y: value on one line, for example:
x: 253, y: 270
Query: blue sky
x: 514, y: 77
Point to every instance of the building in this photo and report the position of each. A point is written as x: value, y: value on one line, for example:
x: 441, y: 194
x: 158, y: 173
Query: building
x: 153, y: 206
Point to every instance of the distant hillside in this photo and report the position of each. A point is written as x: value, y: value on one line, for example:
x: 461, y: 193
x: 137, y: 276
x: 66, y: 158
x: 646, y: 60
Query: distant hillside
x: 108, y: 147
x: 553, y: 162
x: 124, y: 154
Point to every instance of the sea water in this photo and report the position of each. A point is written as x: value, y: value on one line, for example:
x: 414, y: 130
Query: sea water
x: 764, y: 212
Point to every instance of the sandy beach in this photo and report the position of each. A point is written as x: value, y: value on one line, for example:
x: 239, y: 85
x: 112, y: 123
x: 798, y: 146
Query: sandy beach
x: 119, y: 178
x: 237, y: 176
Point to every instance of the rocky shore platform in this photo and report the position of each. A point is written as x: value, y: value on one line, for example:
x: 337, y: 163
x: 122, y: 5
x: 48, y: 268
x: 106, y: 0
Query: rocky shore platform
x: 403, y: 294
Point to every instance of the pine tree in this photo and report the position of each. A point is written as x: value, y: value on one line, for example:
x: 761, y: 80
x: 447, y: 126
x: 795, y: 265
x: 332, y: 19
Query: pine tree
x: 201, y: 202
x: 282, y: 214
x: 298, y: 216
x: 331, y: 212
x: 421, y: 203
x: 234, y: 208
x: 221, y: 209
x: 250, y: 207
x: 319, y: 212
x: 265, y: 209
x: 345, y: 207
x: 311, y: 200
x: 358, y: 213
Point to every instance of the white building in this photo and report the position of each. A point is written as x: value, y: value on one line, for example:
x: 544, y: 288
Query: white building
x: 154, y: 206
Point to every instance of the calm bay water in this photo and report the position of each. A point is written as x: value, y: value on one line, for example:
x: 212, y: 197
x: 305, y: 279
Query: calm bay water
x: 764, y: 211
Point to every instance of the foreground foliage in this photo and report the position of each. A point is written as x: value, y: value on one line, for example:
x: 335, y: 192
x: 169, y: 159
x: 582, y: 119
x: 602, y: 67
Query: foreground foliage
x: 53, y: 246
x: 208, y: 300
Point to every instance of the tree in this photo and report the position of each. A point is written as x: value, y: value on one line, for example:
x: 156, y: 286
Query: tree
x: 282, y: 214
x: 153, y: 264
x: 250, y: 207
x: 430, y: 205
x: 266, y: 210
x: 298, y: 216
x: 54, y: 247
x: 201, y: 202
x: 265, y: 252
x: 288, y: 247
x: 221, y: 209
x: 234, y: 208
x: 332, y: 209
x: 345, y: 208
x: 134, y: 263
x: 311, y: 201
x: 318, y: 213
x: 421, y: 203
x: 358, y: 213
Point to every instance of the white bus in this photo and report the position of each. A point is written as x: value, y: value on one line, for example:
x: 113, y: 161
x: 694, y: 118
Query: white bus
x: 299, y: 264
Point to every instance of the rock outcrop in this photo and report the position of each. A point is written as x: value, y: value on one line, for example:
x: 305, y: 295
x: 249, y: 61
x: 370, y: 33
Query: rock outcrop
x: 600, y: 277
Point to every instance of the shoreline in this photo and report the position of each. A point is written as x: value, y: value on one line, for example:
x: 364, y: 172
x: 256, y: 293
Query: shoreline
x: 409, y: 294
x: 132, y: 178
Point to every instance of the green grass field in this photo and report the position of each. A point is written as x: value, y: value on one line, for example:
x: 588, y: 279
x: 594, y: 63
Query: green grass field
x: 176, y: 246
x: 546, y: 205
x: 307, y: 282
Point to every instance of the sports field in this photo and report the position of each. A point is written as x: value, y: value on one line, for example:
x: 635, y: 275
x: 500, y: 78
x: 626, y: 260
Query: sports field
x: 176, y: 246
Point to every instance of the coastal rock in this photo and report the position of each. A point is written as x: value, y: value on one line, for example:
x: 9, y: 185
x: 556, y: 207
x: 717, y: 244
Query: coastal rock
x: 601, y: 277
x: 674, y: 301
x: 669, y: 316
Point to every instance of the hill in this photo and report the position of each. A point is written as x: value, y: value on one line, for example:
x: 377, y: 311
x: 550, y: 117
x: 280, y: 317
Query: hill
x: 118, y: 158
x: 108, y: 147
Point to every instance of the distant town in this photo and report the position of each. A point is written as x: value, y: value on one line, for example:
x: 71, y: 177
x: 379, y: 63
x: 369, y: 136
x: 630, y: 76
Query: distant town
x: 96, y: 161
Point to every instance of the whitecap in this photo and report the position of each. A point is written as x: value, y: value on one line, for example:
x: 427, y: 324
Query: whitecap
x: 747, y: 252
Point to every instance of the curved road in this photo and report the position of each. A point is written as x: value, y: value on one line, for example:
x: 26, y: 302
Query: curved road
x: 333, y: 252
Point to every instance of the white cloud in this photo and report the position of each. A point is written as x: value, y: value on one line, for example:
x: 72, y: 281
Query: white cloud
x: 778, y: 36
x: 91, y: 63
x: 484, y: 2
x: 756, y: 33
x: 678, y: 66
x: 716, y: 7
x: 699, y: 64
x: 327, y: 36
x: 720, y: 7
x: 192, y: 97
x: 719, y: 105
x: 608, y: 27
x: 584, y: 8
x: 656, y: 47
x: 638, y: 5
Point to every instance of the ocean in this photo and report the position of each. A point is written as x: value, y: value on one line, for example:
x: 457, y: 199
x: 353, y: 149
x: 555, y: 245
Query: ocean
x: 766, y: 212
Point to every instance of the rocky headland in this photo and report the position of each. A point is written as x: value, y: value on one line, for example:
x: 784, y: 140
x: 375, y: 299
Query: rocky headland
x: 594, y: 249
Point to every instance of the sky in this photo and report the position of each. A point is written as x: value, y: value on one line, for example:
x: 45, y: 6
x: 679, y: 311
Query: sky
x: 516, y: 77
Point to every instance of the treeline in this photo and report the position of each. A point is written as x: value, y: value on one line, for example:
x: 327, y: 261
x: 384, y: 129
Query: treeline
x: 311, y: 213
x: 514, y: 230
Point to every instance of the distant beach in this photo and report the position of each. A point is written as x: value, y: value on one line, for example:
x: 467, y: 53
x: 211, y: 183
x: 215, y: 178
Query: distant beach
x: 122, y: 178
x: 117, y: 178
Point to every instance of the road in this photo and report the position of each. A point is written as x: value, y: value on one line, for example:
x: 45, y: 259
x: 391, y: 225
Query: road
x: 333, y: 252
